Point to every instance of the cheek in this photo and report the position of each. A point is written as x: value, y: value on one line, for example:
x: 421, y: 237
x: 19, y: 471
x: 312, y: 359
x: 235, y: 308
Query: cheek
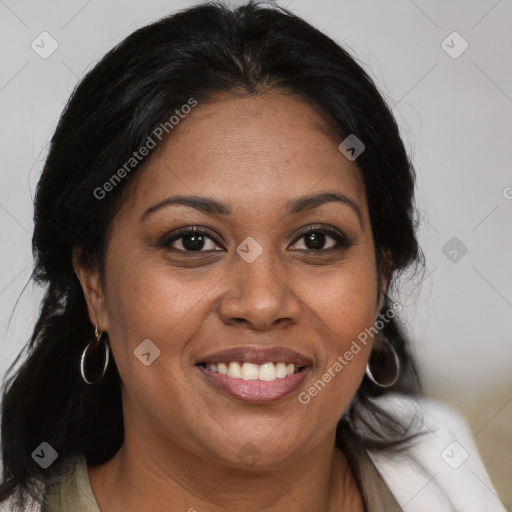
x: 344, y: 309
x: 145, y: 303
x: 346, y: 302
x: 148, y: 305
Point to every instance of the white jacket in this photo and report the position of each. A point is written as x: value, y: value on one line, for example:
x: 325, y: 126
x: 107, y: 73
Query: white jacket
x: 443, y: 471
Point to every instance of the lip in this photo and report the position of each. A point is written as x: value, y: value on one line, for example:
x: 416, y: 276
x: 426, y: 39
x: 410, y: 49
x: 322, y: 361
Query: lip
x: 256, y: 391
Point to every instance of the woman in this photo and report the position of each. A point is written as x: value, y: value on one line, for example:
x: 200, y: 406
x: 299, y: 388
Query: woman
x: 223, y: 211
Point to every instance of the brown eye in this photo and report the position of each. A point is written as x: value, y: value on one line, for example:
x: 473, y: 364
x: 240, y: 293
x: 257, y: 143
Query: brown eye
x: 191, y: 239
x: 322, y: 240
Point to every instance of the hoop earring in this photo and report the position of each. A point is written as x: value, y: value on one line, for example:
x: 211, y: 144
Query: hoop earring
x: 94, y: 359
x: 383, y: 367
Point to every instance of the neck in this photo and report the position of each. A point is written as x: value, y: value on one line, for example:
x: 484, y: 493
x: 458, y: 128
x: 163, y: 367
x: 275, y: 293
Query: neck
x: 149, y: 477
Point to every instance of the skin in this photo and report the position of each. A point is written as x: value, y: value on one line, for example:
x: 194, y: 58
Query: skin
x: 182, y: 435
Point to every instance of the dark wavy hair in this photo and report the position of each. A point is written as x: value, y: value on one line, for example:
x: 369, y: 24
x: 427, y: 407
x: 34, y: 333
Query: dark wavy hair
x: 199, y: 52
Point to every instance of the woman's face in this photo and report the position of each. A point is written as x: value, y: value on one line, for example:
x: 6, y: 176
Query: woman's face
x: 273, y: 277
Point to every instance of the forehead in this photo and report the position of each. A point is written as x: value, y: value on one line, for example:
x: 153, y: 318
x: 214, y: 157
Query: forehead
x: 254, y: 151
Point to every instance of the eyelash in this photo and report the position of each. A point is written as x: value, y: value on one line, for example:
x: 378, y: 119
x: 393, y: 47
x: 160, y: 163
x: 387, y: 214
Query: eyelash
x: 342, y: 241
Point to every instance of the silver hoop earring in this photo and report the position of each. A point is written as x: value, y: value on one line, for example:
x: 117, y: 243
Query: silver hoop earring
x: 383, y: 367
x: 95, y: 358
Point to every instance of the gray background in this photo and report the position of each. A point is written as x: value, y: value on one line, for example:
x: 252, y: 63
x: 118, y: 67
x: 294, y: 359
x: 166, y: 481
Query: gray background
x: 455, y: 118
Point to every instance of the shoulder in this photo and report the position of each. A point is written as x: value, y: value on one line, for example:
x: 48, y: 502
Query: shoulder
x: 51, y: 492
x: 30, y: 504
x: 442, y: 466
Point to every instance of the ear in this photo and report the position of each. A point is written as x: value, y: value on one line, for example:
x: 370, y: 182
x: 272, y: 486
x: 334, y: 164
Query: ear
x: 385, y: 274
x: 89, y: 278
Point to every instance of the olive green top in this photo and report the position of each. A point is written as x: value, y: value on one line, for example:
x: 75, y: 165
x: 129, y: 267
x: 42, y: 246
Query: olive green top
x: 73, y: 491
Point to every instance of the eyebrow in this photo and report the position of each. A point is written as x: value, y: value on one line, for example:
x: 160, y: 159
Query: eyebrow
x: 215, y: 207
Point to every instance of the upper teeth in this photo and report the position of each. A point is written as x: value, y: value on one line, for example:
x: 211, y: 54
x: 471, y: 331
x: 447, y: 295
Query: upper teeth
x: 251, y: 371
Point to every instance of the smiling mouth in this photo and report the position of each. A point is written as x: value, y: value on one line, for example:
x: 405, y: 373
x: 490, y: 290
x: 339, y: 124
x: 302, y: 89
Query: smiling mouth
x: 249, y: 377
x: 256, y: 374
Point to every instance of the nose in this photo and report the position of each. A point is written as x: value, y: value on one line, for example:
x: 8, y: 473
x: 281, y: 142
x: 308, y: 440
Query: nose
x: 258, y: 297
